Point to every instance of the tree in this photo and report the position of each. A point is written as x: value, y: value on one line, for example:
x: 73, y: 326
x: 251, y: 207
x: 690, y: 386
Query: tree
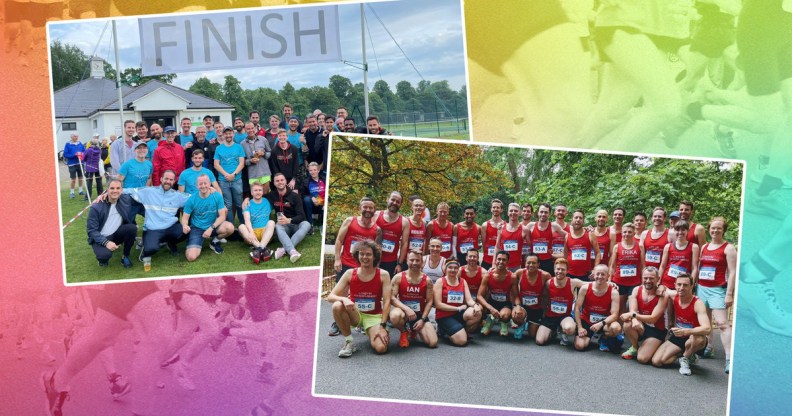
x: 375, y: 167
x: 69, y: 64
x: 405, y: 91
x: 207, y: 88
x: 134, y: 77
x: 341, y: 86
x: 233, y: 94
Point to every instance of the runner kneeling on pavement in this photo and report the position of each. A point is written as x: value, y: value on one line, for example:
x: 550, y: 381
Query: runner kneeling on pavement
x: 530, y: 288
x: 368, y: 303
x: 597, y: 310
x: 645, y: 320
x: 457, y: 312
x: 412, y: 299
x: 690, y: 330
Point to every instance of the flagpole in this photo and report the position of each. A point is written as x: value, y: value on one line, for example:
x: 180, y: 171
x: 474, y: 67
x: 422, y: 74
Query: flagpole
x: 365, y: 64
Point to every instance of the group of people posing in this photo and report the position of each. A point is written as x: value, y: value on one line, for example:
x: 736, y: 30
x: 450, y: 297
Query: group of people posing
x: 660, y: 288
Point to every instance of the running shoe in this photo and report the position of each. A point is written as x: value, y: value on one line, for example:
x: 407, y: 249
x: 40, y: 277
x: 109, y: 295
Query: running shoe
x: 630, y: 353
x: 119, y: 386
x: 139, y: 243
x: 684, y: 366
x: 518, y: 332
x: 103, y: 263
x: 504, y: 332
x: 82, y: 192
x: 603, y: 345
x: 265, y: 255
x: 294, y: 255
x: 760, y: 301
x: 280, y: 252
x: 216, y: 247
x: 54, y: 398
x: 486, y: 326
x: 708, y: 352
x: 769, y: 205
x: 71, y: 195
x: 693, y: 360
x: 347, y: 350
x: 334, y: 331
x: 725, y: 141
x: 174, y: 251
x: 404, y: 340
x: 125, y: 262
x: 255, y: 254
x: 564, y: 339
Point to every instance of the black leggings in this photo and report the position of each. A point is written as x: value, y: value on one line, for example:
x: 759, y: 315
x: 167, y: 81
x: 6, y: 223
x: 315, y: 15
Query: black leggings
x: 89, y: 181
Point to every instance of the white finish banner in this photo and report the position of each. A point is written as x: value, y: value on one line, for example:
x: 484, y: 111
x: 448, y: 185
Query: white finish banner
x: 249, y: 38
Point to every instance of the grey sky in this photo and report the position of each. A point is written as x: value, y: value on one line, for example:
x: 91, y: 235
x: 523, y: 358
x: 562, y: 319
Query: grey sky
x: 430, y: 32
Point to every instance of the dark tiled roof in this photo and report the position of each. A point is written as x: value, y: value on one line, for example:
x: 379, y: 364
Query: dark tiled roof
x: 93, y: 94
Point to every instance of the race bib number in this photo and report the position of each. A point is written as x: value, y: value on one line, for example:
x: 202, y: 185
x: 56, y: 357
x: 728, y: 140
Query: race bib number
x: 464, y: 247
x: 628, y: 270
x: 675, y: 270
x: 491, y: 250
x: 446, y: 247
x: 653, y: 256
x: 416, y: 244
x: 413, y: 304
x: 707, y: 273
x: 684, y: 325
x: 352, y: 246
x: 510, y: 245
x: 388, y: 246
x: 526, y: 250
x: 498, y: 297
x: 540, y: 248
x: 365, y: 305
x: 579, y: 254
x: 455, y: 297
x: 595, y: 317
x: 558, y: 249
x: 558, y: 307
x: 530, y: 300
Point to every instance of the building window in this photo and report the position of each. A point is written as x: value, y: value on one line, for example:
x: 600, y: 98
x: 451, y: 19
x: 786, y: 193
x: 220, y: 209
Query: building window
x: 95, y: 124
x: 70, y: 126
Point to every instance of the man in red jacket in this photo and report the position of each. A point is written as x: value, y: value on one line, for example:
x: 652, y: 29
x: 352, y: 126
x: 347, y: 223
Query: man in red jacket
x: 169, y: 155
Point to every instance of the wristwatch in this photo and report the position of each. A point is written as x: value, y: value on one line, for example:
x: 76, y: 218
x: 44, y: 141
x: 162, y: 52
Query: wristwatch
x: 383, y: 324
x: 634, y: 315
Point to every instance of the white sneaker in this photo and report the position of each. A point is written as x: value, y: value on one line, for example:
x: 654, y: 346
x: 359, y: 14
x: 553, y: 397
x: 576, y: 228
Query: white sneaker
x: 294, y: 255
x: 684, y: 366
x: 759, y: 299
x: 280, y: 252
x: 564, y: 339
x: 347, y: 350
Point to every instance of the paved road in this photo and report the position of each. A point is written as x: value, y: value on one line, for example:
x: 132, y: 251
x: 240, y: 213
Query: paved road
x: 496, y: 371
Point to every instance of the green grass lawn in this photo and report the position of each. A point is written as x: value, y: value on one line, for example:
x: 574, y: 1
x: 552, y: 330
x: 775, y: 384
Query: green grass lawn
x: 81, y: 264
x: 448, y: 130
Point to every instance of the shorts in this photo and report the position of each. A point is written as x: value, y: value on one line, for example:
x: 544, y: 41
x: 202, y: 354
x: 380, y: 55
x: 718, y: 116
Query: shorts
x: 367, y: 320
x: 262, y: 180
x: 625, y: 290
x: 195, y: 238
x: 75, y: 171
x: 499, y: 305
x: 119, y: 300
x: 552, y: 322
x: 259, y: 232
x: 450, y: 325
x: 680, y: 342
x: 547, y: 265
x: 533, y: 315
x: 344, y: 269
x: 587, y: 327
x: 652, y: 332
x: 389, y: 267
x: 713, y: 297
x: 583, y: 277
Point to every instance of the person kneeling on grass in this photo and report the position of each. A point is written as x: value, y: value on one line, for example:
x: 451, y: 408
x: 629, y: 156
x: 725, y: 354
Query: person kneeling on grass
x: 111, y: 223
x: 368, y: 303
x: 257, y: 229
x: 206, y: 212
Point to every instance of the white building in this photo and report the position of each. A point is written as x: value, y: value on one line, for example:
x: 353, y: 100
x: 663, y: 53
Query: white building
x: 91, y: 106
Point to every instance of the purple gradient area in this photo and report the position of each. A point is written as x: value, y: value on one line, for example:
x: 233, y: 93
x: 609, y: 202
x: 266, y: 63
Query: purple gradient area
x: 226, y: 380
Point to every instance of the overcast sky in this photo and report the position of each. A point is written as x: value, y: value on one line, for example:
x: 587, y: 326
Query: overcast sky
x: 430, y: 32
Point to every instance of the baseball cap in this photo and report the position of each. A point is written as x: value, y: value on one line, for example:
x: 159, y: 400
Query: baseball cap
x: 674, y: 214
x: 169, y: 129
x: 141, y: 144
x: 228, y: 128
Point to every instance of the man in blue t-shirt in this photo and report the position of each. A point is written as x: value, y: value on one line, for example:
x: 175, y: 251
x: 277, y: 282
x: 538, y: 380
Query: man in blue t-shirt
x: 208, y: 122
x: 155, y: 131
x: 203, y: 217
x: 188, y: 180
x: 186, y: 135
x: 136, y: 173
x: 229, y: 161
x: 258, y: 229
x: 239, y: 130
x: 73, y: 153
